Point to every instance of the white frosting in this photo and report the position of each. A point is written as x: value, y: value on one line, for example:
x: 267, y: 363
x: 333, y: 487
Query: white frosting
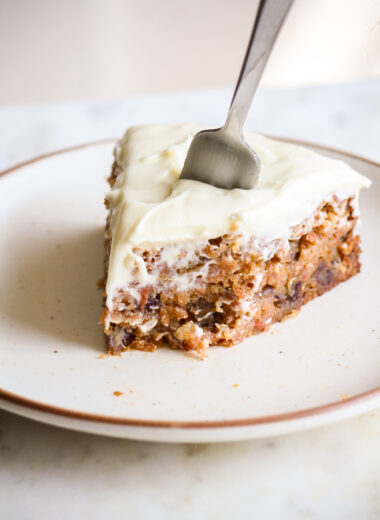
x: 149, y: 205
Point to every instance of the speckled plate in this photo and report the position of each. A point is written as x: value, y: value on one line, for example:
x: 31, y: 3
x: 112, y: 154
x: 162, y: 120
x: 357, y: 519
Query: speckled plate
x: 320, y: 367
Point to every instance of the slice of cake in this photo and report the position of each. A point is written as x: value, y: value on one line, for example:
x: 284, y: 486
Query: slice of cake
x: 191, y: 266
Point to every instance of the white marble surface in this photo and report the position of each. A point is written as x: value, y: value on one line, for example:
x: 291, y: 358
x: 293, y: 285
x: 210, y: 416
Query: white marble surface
x: 347, y: 117
x: 332, y: 472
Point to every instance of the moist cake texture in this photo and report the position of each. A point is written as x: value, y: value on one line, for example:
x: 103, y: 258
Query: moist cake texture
x: 192, y: 266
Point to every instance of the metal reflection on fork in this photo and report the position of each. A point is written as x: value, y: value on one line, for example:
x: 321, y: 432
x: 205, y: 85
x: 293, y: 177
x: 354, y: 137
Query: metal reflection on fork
x: 222, y: 157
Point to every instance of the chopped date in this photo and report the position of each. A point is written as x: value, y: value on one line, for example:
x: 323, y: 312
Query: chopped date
x: 215, y: 241
x: 128, y: 338
x: 267, y: 290
x: 323, y: 275
x: 153, y: 303
x: 296, y: 291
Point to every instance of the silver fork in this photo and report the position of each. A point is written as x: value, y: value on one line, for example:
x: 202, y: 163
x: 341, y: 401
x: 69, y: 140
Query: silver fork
x: 222, y: 157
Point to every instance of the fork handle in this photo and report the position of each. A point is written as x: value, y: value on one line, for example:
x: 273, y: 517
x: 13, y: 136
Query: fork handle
x: 269, y: 19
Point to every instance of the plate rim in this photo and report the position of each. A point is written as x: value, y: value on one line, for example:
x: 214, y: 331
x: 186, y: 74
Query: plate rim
x: 109, y: 140
x: 304, y: 413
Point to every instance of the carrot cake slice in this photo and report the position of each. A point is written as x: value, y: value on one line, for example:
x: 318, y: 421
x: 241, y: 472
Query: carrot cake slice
x: 192, y: 266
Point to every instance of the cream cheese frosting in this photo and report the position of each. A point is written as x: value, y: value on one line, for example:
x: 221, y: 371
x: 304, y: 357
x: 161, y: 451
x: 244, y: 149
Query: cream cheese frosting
x: 150, y: 205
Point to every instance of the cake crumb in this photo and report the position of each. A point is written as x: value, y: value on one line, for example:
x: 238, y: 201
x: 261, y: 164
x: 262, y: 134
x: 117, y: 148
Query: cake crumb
x: 117, y: 393
x: 235, y: 223
x: 291, y: 314
x: 344, y: 397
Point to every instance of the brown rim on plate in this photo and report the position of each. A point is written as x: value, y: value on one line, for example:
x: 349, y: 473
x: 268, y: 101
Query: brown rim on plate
x: 43, y: 156
x: 250, y: 421
x: 270, y: 419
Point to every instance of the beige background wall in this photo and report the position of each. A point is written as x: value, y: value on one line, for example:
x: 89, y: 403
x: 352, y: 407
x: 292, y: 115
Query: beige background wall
x: 52, y: 49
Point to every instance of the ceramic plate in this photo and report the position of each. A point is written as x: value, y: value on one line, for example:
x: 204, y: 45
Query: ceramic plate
x: 319, y: 367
